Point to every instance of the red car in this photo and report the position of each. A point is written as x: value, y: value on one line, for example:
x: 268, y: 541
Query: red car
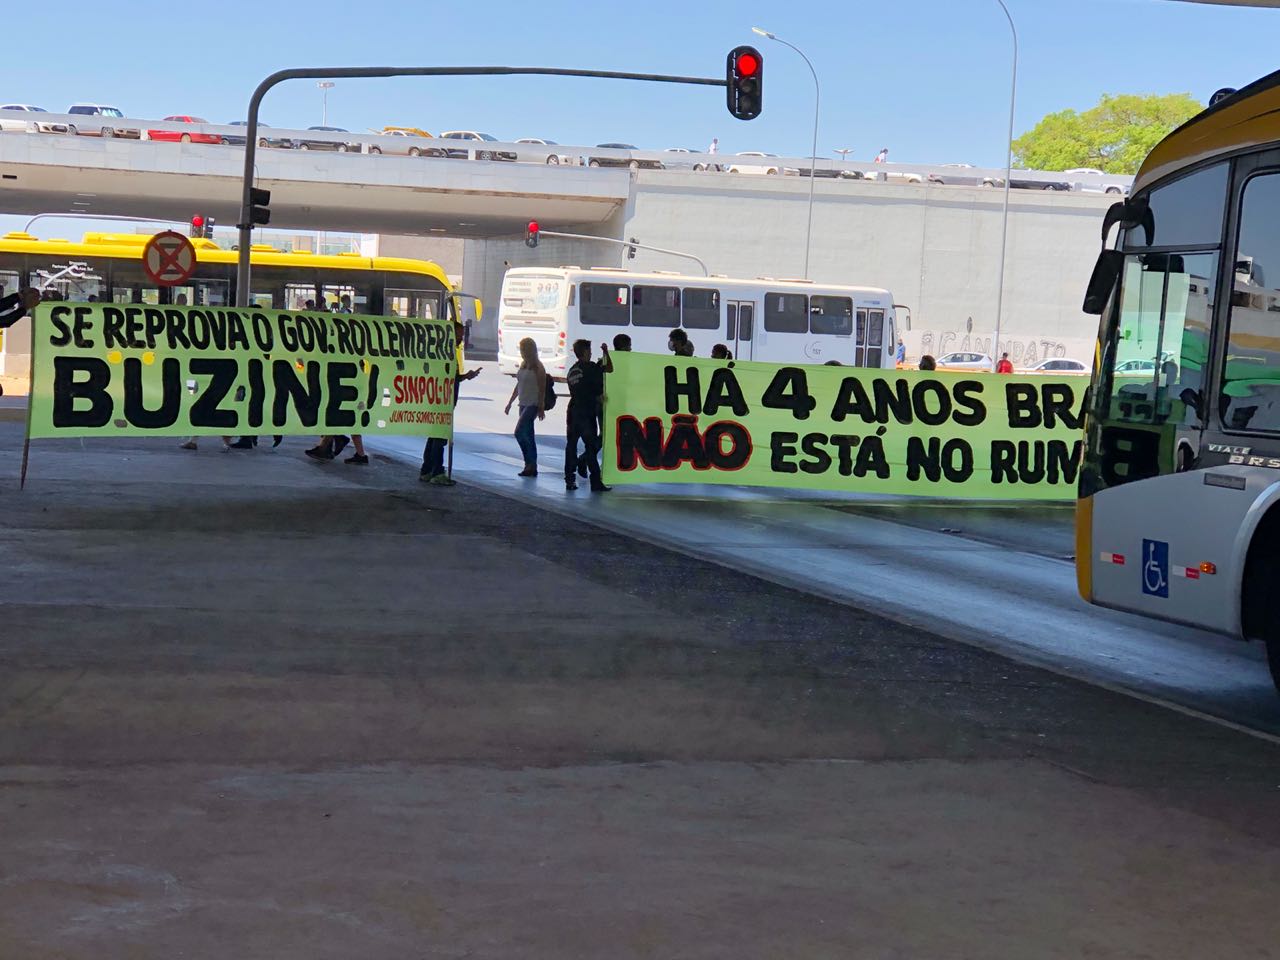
x: 175, y: 137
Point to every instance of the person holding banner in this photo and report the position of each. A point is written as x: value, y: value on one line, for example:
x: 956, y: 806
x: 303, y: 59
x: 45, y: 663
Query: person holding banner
x: 433, y: 471
x: 582, y: 422
x: 15, y: 306
x: 530, y: 393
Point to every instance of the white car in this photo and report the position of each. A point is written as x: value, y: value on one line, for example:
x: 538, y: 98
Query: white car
x: 99, y: 120
x: 883, y: 172
x: 1131, y: 367
x: 550, y: 156
x: 32, y: 125
x: 1112, y: 188
x: 765, y: 163
x: 462, y: 153
x: 964, y: 360
x: 679, y: 164
x: 1058, y: 365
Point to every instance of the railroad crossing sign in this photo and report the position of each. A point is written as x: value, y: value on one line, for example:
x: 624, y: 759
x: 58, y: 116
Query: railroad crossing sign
x: 168, y: 258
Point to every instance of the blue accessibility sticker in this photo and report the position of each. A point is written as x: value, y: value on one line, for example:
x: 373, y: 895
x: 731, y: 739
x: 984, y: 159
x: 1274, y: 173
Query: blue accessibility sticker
x: 1155, y: 568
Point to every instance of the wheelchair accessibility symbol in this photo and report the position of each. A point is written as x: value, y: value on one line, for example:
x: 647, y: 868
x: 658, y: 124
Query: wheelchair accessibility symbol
x: 1155, y: 568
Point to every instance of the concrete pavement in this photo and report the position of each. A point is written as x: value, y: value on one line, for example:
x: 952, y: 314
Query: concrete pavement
x: 255, y: 706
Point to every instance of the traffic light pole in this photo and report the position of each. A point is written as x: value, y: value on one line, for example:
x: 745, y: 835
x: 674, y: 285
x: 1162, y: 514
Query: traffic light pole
x: 245, y: 225
x: 627, y: 243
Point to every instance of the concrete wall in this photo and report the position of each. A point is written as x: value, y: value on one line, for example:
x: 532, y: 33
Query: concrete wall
x: 936, y: 247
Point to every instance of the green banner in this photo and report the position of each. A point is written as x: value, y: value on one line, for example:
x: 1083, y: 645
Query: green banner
x: 133, y: 369
x: 970, y: 435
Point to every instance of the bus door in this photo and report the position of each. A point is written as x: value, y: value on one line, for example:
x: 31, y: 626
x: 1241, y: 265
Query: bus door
x: 869, y: 337
x: 741, y: 328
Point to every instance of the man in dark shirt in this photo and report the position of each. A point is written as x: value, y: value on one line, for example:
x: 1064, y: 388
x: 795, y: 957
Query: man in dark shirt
x: 586, y: 392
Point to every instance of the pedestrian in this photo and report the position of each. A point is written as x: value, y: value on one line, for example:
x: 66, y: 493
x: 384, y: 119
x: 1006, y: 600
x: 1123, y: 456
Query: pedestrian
x: 466, y: 333
x: 331, y: 446
x: 715, y: 146
x: 721, y: 352
x: 309, y: 305
x: 586, y: 389
x: 344, y: 304
x: 900, y: 355
x: 622, y: 342
x: 1005, y: 365
x: 883, y: 155
x: 15, y: 306
x: 530, y: 395
x: 433, y: 452
x: 928, y: 363
x: 678, y: 342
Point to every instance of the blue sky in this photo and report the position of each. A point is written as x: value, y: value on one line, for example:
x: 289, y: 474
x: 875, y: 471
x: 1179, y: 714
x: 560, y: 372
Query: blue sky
x: 926, y: 78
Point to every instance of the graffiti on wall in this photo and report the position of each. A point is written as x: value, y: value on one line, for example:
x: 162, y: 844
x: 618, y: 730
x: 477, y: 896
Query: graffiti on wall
x: 1022, y: 351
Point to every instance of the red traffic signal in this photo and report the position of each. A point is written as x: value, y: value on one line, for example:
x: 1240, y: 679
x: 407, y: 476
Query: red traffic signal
x: 531, y: 234
x: 744, y: 76
x: 197, y: 226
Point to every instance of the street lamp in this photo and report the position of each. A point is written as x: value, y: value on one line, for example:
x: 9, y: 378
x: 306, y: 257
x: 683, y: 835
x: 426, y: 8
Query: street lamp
x: 813, y: 161
x: 1008, y: 169
x: 325, y: 86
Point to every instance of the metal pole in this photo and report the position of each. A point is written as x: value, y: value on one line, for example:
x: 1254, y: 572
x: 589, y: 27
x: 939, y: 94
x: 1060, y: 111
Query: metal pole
x: 628, y: 243
x: 813, y: 160
x: 313, y: 73
x: 1008, y: 169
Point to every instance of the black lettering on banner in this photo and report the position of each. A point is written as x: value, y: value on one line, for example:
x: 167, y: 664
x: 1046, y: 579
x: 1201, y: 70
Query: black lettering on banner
x: 218, y: 329
x: 852, y: 400
x: 684, y: 445
x: 176, y: 330
x: 1024, y: 410
x: 966, y: 393
x: 305, y: 332
x: 957, y: 472
x: 789, y: 390
x: 871, y: 458
x: 290, y: 390
x: 814, y: 446
x: 1003, y: 455
x: 845, y: 442
x: 339, y: 393
x: 135, y: 408
x: 690, y: 389
x: 153, y: 324
x: 920, y: 394
x: 359, y: 338
x: 725, y: 391
x: 134, y: 327
x: 1035, y: 461
x: 236, y: 334
x: 342, y: 333
x: 207, y: 410
x: 924, y: 459
x: 642, y: 442
x: 67, y: 389
x: 262, y: 332
x: 83, y: 323
x: 257, y: 392
x: 62, y: 333
x: 1058, y: 401
x: 782, y: 446
x: 198, y: 329
x: 433, y: 339
x: 288, y: 332
x: 1064, y: 461
x: 112, y: 327
x: 736, y: 457
x: 892, y: 397
x: 378, y: 333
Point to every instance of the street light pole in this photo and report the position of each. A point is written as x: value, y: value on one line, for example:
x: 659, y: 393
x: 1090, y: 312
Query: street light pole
x: 325, y: 86
x: 1008, y: 169
x: 813, y: 160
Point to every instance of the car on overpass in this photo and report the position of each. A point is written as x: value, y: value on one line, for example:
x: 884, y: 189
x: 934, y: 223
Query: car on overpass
x: 320, y: 143
x: 183, y: 136
x: 31, y: 125
x: 1114, y: 188
x: 962, y: 175
x: 101, y: 121
x: 1025, y: 184
x: 762, y: 163
x: 677, y: 163
x: 474, y: 136
x: 264, y: 140
x: 406, y: 142
x: 635, y: 163
x: 549, y: 156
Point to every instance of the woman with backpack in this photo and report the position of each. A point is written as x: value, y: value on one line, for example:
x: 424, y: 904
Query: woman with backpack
x: 530, y: 394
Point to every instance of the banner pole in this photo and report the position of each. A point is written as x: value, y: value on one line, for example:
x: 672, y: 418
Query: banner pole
x: 26, y: 440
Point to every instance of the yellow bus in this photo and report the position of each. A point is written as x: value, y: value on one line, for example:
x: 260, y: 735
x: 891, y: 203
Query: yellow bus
x: 107, y: 267
x: 1178, y: 515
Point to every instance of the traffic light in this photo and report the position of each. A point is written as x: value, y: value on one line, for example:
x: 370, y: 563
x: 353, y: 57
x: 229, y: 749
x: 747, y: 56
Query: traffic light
x: 744, y: 75
x: 197, y: 226
x: 259, y: 215
x: 208, y: 228
x: 631, y: 249
x: 531, y: 234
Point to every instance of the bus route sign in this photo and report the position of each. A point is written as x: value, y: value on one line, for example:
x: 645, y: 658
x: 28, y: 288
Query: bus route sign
x: 168, y: 258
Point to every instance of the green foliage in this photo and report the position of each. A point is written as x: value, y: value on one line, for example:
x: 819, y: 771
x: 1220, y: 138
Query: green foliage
x: 1115, y: 136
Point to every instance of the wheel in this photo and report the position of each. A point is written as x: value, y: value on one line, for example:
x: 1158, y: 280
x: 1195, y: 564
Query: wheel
x: 342, y: 148
x: 71, y: 130
x: 594, y: 163
x: 225, y: 142
x: 553, y: 161
x: 262, y: 142
x: 1266, y: 578
x: 699, y: 166
x: 1050, y: 186
x: 482, y: 154
x: 988, y: 183
x: 108, y: 133
x: 772, y: 172
x: 415, y: 152
x: 1113, y: 190
x: 303, y: 146
x: 185, y: 138
x: 634, y: 164
x: 375, y: 149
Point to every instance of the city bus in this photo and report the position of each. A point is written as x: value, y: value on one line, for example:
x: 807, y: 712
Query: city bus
x: 1178, y: 515
x: 782, y: 321
x: 107, y: 267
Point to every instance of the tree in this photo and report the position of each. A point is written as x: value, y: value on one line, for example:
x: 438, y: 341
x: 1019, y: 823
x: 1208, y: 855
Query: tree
x: 1115, y: 136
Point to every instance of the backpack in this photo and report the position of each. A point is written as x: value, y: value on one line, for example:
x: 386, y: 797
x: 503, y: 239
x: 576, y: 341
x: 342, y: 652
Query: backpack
x: 549, y: 400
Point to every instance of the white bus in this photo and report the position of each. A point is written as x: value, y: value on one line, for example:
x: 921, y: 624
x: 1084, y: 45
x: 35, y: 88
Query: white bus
x: 781, y: 321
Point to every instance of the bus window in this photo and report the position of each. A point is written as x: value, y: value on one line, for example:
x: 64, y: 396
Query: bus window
x: 831, y: 316
x: 1251, y: 376
x: 655, y: 306
x: 345, y: 298
x: 1186, y: 212
x: 605, y: 305
x: 702, y: 309
x: 419, y: 304
x: 10, y: 282
x: 201, y: 293
x: 296, y: 296
x: 786, y: 313
x: 875, y: 337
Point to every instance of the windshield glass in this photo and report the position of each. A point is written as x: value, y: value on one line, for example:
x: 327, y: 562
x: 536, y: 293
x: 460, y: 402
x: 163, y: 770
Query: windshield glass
x: 111, y: 112
x: 485, y: 136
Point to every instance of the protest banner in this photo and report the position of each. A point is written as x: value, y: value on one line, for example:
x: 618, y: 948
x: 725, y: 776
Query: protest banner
x: 134, y: 369
x: 965, y: 435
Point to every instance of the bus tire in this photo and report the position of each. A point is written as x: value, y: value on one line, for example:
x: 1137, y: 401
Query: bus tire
x: 1269, y: 575
x: 1260, y: 590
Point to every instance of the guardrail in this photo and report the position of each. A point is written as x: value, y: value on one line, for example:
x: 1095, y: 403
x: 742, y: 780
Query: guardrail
x: 675, y: 159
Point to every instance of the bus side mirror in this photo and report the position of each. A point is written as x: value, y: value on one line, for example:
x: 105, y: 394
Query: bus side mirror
x: 1105, y: 273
